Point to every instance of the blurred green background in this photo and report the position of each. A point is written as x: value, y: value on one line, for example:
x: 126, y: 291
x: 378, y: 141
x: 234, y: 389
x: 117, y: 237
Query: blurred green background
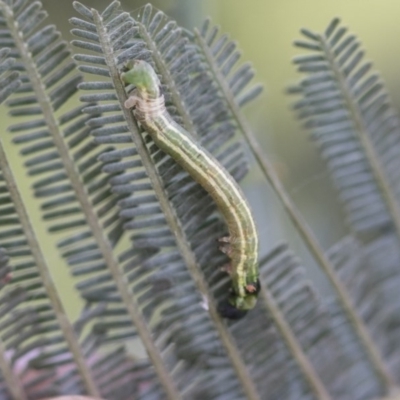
x: 265, y: 31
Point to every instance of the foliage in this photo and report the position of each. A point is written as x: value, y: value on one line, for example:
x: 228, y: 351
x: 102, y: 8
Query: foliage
x: 139, y: 235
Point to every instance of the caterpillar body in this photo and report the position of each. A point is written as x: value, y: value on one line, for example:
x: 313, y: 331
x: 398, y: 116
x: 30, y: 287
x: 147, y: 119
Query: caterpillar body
x: 241, y: 245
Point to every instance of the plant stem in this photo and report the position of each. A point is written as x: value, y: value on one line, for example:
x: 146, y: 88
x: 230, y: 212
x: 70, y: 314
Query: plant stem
x: 301, y: 225
x: 294, y: 346
x: 50, y: 288
x: 45, y: 275
x: 362, y: 135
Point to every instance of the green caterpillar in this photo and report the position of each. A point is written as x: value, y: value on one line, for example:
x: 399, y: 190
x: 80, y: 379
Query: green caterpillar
x: 242, y: 243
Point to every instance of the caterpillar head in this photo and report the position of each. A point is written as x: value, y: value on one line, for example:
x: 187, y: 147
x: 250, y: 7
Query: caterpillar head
x: 236, y: 306
x: 140, y: 74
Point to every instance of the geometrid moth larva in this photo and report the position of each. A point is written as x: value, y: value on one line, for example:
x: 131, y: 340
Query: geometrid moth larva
x: 242, y: 243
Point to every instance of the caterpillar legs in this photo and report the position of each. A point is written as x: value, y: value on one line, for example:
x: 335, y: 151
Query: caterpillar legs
x: 227, y: 268
x: 226, y: 248
x: 224, y: 239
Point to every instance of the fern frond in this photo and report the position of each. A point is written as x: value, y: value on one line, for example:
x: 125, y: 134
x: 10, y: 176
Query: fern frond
x: 47, y: 84
x: 275, y: 364
x: 48, y: 142
x: 318, y: 364
x: 287, y: 347
x: 340, y: 120
x: 355, y: 126
x: 158, y: 290
x: 370, y: 272
x: 9, y: 79
x: 29, y: 306
x: 221, y: 55
x: 141, y: 211
x: 37, y: 320
x: 27, y: 327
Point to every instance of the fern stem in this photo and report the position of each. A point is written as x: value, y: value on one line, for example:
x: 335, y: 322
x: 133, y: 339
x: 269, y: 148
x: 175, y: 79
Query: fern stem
x: 168, y: 80
x: 50, y: 288
x: 45, y: 275
x: 294, y: 346
x: 171, y: 218
x: 143, y: 330
x: 362, y: 135
x: 300, y: 224
x: 379, y: 174
x: 132, y: 306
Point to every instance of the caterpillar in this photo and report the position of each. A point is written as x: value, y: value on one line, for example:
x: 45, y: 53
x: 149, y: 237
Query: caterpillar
x: 241, y: 246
